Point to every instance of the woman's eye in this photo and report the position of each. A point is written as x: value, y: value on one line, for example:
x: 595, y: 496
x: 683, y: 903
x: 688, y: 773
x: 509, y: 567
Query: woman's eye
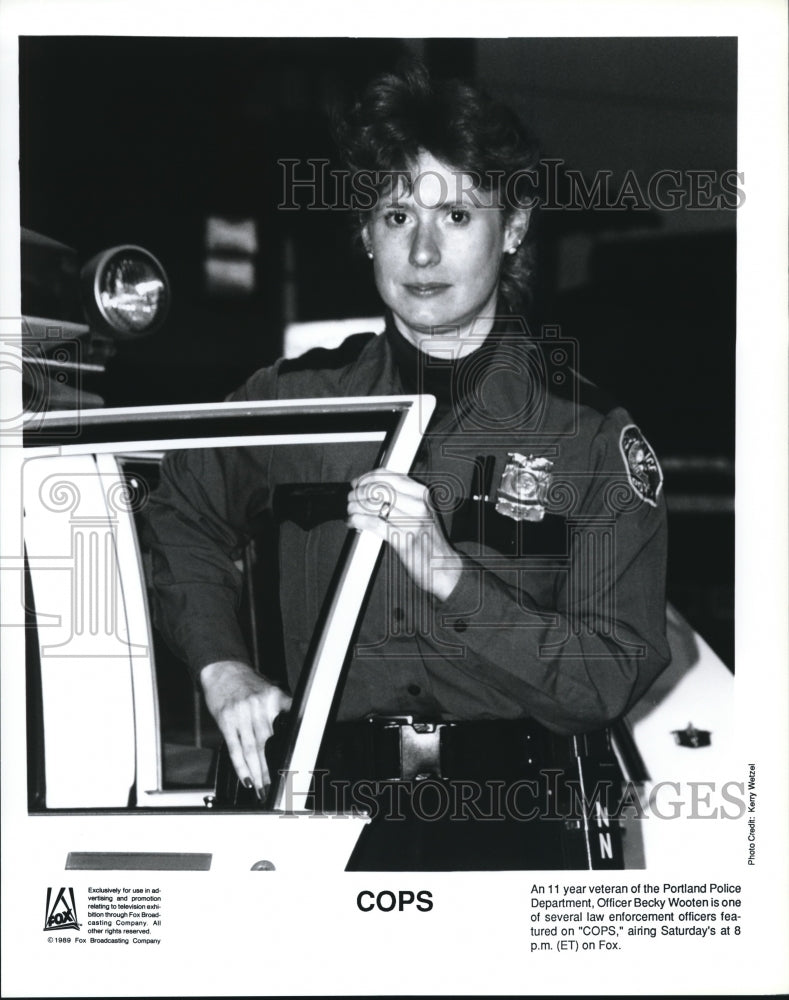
x: 459, y: 215
x: 396, y: 218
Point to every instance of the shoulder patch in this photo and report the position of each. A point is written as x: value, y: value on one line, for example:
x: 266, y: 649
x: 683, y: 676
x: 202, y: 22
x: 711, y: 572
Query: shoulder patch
x: 326, y: 358
x: 643, y: 469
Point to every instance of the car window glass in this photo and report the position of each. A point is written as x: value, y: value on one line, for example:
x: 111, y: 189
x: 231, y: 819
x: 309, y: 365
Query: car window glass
x: 300, y: 513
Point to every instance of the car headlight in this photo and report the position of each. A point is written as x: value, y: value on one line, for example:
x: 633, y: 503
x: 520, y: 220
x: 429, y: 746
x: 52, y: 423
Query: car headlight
x: 126, y: 291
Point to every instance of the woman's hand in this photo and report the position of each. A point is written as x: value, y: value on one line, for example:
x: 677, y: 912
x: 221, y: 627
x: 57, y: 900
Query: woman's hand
x: 245, y: 706
x: 398, y: 509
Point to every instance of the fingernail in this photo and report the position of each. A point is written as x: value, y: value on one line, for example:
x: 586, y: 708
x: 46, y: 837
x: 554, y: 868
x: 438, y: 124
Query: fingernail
x: 259, y: 794
x: 247, y: 782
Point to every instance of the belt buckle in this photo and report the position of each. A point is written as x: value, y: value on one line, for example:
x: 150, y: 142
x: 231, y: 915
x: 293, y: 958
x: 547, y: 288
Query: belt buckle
x: 420, y: 747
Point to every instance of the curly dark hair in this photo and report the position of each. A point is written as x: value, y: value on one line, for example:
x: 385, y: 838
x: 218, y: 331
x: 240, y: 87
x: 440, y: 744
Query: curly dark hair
x: 400, y: 114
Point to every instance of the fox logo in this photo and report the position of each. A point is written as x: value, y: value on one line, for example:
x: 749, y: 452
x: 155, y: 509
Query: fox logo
x: 62, y: 914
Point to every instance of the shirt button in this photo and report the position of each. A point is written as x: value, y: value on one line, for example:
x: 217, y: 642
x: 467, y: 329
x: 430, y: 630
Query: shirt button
x: 414, y: 689
x: 461, y: 626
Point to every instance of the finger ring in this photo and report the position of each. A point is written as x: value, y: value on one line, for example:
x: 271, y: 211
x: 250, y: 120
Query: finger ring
x: 385, y: 511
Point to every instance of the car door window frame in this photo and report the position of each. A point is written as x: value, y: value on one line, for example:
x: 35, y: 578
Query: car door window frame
x: 397, y: 422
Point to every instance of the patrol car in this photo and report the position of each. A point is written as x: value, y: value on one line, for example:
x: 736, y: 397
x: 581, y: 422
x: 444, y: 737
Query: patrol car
x: 116, y: 776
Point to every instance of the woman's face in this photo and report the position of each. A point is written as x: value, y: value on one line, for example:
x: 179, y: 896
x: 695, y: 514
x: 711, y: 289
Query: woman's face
x: 436, y: 253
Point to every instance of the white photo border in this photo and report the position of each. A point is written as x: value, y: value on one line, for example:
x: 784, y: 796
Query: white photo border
x: 309, y: 937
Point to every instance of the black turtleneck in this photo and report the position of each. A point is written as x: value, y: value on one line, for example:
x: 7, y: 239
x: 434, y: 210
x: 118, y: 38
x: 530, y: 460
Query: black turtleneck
x: 447, y: 379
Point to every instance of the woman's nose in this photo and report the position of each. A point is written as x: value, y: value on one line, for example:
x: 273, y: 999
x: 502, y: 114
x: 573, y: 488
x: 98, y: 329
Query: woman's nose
x: 425, y: 250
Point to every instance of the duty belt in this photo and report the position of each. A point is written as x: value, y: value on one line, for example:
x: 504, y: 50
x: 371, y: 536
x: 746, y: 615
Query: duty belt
x: 399, y: 748
x: 418, y: 745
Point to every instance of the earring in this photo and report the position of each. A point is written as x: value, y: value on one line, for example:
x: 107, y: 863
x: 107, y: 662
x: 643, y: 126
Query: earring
x: 370, y: 254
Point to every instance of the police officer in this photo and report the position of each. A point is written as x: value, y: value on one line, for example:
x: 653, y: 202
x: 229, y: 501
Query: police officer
x: 521, y: 596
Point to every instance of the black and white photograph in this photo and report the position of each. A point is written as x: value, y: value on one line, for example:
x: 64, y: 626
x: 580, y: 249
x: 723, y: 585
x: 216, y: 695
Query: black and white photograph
x: 374, y: 410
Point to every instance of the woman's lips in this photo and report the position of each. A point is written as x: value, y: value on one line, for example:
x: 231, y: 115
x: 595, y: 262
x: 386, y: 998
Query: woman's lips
x: 426, y: 290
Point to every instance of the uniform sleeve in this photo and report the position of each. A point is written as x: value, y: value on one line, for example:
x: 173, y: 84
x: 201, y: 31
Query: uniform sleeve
x: 581, y: 658
x: 196, y: 527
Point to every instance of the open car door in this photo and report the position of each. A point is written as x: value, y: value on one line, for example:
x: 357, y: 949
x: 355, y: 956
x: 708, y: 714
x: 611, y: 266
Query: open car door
x: 99, y: 792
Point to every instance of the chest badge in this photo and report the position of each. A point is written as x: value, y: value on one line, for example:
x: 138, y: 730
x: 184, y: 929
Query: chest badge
x: 524, y: 487
x: 643, y: 468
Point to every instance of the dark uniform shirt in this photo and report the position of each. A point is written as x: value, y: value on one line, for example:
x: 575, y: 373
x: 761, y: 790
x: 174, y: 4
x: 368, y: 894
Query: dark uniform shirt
x: 560, y: 618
